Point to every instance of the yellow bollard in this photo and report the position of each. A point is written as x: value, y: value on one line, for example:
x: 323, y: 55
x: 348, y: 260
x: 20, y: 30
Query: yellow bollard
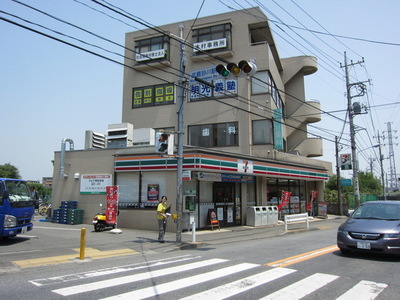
x: 83, y: 244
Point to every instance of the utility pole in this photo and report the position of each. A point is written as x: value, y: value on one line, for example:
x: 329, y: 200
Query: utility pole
x: 392, y: 163
x: 381, y: 164
x: 339, y: 187
x: 179, y: 170
x: 371, y: 162
x: 361, y: 88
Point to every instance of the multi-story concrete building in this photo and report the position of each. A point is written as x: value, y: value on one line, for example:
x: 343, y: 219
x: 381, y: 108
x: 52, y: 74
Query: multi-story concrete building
x: 245, y: 138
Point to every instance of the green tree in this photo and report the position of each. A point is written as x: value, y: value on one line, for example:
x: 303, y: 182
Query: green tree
x: 369, y: 184
x: 44, y: 191
x: 9, y: 171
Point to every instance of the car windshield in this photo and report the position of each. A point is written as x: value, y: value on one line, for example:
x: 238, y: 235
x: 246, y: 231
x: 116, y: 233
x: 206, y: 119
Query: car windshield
x: 379, y: 211
x: 18, y: 190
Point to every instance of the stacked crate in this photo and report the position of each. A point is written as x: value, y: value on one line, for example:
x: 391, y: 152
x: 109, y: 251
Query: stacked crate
x: 68, y: 213
x: 75, y: 216
x: 59, y: 216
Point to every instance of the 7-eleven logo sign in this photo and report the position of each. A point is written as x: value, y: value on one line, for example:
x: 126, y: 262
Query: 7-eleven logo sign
x: 245, y: 166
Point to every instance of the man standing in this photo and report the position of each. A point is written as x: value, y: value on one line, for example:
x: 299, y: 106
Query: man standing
x: 35, y: 196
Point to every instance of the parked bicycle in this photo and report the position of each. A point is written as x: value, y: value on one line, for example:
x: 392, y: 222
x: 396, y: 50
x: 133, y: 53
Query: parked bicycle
x: 44, y: 208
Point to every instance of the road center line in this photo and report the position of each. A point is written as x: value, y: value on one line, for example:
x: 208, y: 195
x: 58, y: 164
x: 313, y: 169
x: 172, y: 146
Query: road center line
x: 302, y: 257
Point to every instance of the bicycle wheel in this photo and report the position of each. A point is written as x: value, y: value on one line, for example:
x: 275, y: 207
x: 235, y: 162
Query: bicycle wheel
x: 43, y: 211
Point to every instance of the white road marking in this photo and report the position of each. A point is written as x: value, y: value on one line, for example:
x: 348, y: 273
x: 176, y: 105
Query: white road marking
x: 241, y: 285
x: 302, y: 288
x: 133, y: 278
x: 157, y: 290
x: 108, y: 271
x: 364, y: 290
x: 54, y: 228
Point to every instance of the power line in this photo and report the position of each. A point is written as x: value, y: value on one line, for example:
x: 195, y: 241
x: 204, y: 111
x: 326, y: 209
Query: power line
x: 130, y: 16
x: 255, y: 105
x: 326, y: 30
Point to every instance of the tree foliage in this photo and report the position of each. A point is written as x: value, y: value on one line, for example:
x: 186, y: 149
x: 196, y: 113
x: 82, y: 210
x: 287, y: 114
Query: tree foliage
x: 44, y: 191
x: 9, y: 171
x: 368, y: 184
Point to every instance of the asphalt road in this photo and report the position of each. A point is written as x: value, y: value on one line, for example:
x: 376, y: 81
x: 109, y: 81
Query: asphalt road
x: 234, y: 263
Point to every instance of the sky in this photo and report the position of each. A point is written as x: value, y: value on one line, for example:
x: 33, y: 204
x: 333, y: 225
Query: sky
x: 50, y: 91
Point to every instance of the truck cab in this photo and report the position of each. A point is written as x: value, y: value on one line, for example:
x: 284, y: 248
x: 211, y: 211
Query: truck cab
x: 16, y: 207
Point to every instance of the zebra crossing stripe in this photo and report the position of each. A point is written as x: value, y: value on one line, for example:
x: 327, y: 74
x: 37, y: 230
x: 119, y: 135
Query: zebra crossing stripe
x: 112, y: 270
x: 157, y: 290
x: 77, y: 289
x: 364, y: 290
x: 302, y: 288
x: 239, y: 286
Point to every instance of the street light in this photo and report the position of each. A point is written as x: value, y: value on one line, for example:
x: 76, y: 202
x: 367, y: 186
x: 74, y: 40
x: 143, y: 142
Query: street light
x: 373, y: 146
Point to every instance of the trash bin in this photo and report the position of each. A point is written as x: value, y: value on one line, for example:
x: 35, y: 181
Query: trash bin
x: 269, y: 217
x: 254, y: 216
x: 264, y: 215
x: 273, y: 215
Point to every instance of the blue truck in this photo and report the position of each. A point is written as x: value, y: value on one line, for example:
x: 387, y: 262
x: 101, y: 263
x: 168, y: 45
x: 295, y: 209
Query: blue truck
x: 16, y: 207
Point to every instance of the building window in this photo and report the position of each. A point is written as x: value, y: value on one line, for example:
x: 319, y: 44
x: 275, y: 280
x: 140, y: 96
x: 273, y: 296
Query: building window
x: 259, y: 33
x: 262, y: 132
x: 214, y: 135
x: 263, y: 83
x: 214, y: 38
x: 153, y: 95
x: 155, y: 48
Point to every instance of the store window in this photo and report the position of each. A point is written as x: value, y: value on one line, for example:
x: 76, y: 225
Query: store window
x: 128, y: 188
x: 151, y: 49
x: 140, y: 189
x: 213, y: 38
x: 275, y: 187
x: 262, y: 132
x: 214, y: 135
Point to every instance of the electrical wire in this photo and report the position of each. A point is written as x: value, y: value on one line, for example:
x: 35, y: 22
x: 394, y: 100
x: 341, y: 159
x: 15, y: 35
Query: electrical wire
x: 96, y: 1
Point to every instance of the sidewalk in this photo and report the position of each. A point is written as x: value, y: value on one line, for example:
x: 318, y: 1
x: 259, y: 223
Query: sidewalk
x: 146, y: 240
x: 207, y: 238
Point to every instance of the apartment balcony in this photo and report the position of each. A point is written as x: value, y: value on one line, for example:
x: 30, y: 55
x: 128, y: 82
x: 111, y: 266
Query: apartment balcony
x: 308, y: 112
x: 310, y: 147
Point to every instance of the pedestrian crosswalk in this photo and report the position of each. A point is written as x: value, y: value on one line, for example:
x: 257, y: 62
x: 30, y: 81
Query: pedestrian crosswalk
x: 194, y: 278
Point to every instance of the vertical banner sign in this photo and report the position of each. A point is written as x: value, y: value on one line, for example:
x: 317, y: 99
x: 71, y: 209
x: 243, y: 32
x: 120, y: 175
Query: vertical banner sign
x: 284, y: 200
x: 314, y: 195
x: 112, y: 204
x: 278, y: 129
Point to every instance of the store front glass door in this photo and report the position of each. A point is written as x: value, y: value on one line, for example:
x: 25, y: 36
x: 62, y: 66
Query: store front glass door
x: 224, y: 201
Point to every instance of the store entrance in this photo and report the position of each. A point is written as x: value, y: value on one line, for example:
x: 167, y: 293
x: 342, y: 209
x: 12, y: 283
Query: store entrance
x: 224, y: 201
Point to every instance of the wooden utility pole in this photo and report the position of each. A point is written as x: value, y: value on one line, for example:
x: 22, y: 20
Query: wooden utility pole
x: 339, y: 187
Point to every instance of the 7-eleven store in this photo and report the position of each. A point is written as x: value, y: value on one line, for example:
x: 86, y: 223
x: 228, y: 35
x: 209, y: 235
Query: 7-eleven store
x: 219, y: 181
